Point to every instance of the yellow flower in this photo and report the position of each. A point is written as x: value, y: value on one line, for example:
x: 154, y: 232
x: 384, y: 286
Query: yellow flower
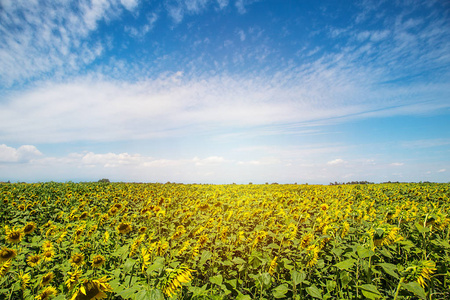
x: 48, y: 255
x: 98, y: 261
x: 34, y: 260
x: 46, y: 293
x: 77, y: 259
x: 175, y: 279
x: 124, y: 228
x: 273, y: 265
x: 24, y: 279
x: 4, y: 268
x: 93, y: 289
x: 427, y: 268
x: 73, y: 278
x: 47, y: 245
x: 324, y: 207
x: 13, y: 236
x: 145, y: 258
x: 47, y: 278
x: 106, y: 237
x: 29, y: 228
x: 7, y: 254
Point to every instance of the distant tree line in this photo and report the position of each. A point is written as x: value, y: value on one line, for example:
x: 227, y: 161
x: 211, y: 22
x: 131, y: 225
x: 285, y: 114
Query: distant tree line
x: 351, y: 182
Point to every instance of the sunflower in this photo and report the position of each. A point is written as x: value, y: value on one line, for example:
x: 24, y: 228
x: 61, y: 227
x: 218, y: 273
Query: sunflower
x: 29, y: 228
x: 112, y: 211
x: 47, y: 293
x: 48, y: 255
x: 142, y: 229
x: 427, y: 268
x: 13, y: 236
x: 324, y: 207
x: 47, y: 245
x: 34, y: 260
x: 7, y: 254
x: 98, y: 261
x: 77, y: 259
x: 93, y: 289
x: 24, y: 279
x: 4, y: 268
x: 47, y: 278
x: 124, y: 228
x: 73, y: 278
x: 106, y: 237
x: 145, y: 258
x: 83, y: 215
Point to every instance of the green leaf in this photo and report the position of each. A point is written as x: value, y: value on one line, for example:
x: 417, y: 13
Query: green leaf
x: 314, y: 292
x: 370, y: 291
x: 128, y: 265
x: 345, y: 278
x: 153, y: 295
x: 218, y: 279
x: 421, y: 229
x: 346, y: 264
x: 280, y: 291
x: 364, y: 252
x: 238, y: 261
x: 128, y: 293
x: 157, y: 264
x: 243, y: 297
x: 331, y: 285
x: 205, y: 256
x: 415, y: 288
x: 389, y: 269
x: 297, y: 277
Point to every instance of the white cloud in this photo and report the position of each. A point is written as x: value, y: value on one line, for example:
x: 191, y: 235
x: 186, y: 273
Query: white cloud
x: 222, y: 3
x: 397, y: 164
x: 336, y: 161
x: 241, y: 34
x: 37, y: 38
x: 130, y: 4
x: 442, y: 170
x: 241, y: 5
x: 211, y: 160
x: 24, y: 153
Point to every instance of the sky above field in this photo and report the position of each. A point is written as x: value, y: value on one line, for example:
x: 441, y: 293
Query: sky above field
x: 223, y: 91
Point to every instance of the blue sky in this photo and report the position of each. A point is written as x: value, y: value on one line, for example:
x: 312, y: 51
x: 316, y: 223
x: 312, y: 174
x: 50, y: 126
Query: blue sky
x: 222, y: 91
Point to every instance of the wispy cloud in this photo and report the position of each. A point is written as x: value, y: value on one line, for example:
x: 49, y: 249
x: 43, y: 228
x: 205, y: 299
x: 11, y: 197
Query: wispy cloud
x: 336, y: 161
x: 96, y: 108
x: 38, y: 37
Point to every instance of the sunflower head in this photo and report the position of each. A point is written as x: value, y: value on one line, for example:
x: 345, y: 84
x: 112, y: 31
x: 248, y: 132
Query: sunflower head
x: 93, y: 289
x: 77, y: 259
x: 24, y: 279
x: 124, y: 227
x: 47, y: 278
x: 7, y: 254
x: 83, y: 216
x: 73, y: 278
x: 47, y: 293
x: 4, y: 267
x: 13, y: 236
x: 34, y: 260
x: 47, y: 245
x: 29, y: 228
x: 98, y: 261
x: 48, y: 255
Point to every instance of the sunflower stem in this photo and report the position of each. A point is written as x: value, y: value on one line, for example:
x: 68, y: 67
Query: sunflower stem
x: 398, y: 287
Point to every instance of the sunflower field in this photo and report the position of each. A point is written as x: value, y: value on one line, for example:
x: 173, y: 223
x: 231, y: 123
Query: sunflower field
x: 179, y: 241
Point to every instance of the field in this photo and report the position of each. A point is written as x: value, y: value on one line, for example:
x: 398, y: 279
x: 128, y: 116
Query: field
x: 161, y: 241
